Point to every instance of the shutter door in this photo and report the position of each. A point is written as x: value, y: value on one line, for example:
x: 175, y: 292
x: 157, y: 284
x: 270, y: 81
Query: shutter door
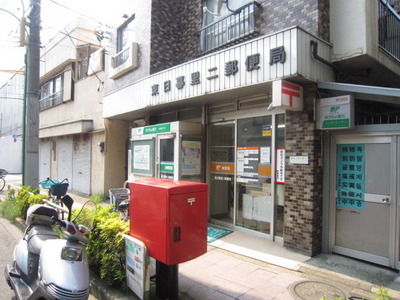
x: 44, y: 160
x: 64, y: 159
x: 81, y: 163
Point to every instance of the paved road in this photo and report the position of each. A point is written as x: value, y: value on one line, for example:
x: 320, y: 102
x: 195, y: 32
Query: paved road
x: 9, y: 236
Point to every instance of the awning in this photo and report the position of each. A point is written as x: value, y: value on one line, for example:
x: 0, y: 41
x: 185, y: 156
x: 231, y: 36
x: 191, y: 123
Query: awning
x: 75, y: 127
x: 363, y: 92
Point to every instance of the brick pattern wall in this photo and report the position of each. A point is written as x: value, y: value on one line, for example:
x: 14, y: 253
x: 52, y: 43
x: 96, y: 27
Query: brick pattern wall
x: 176, y: 26
x: 303, y: 187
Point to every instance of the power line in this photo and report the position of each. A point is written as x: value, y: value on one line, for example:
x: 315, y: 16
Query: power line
x: 76, y: 12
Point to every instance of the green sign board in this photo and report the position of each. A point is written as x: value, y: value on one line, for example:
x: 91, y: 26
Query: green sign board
x: 154, y: 129
x: 336, y: 112
x: 167, y: 168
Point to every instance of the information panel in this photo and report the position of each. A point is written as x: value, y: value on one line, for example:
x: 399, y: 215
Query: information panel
x: 143, y: 157
x: 350, y: 180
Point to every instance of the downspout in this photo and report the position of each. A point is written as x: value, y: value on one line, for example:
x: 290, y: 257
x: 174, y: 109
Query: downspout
x: 314, y: 52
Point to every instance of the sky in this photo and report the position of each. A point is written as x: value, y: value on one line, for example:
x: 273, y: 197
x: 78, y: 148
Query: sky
x: 55, y: 15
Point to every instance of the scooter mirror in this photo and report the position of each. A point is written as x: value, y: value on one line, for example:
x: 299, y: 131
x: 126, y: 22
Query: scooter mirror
x: 68, y: 202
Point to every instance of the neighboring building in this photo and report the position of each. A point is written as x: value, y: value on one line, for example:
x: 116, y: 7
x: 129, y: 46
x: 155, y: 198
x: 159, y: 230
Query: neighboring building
x: 282, y: 161
x: 11, y: 123
x: 75, y: 141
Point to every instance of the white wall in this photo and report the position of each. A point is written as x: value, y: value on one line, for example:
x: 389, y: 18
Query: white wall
x: 348, y: 28
x: 11, y: 154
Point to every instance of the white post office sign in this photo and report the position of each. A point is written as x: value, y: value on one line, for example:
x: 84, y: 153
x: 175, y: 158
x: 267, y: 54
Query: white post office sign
x: 336, y: 112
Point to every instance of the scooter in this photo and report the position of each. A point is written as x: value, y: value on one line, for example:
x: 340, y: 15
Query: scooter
x: 46, y: 266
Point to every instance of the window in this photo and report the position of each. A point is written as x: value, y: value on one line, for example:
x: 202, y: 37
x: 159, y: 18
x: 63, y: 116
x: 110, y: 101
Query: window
x: 233, y: 21
x: 125, y: 37
x: 51, y: 93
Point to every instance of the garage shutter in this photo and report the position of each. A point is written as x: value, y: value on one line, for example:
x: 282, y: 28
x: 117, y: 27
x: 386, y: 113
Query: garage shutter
x: 81, y: 163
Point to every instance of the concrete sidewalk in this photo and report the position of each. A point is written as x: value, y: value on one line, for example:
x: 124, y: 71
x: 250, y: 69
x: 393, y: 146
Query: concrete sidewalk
x: 239, y: 266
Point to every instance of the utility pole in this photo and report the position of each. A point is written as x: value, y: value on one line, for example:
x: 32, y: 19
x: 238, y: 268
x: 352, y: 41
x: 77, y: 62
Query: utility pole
x: 31, y: 130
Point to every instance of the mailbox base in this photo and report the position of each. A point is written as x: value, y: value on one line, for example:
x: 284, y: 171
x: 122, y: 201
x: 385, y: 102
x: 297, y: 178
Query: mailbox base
x: 166, y: 281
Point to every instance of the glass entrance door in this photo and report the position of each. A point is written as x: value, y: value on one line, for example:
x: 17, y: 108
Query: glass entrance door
x: 243, y: 189
x: 254, y: 209
x: 165, y: 159
x: 222, y: 165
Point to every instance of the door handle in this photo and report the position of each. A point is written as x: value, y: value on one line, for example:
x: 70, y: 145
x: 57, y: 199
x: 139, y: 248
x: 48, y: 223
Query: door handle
x: 386, y: 199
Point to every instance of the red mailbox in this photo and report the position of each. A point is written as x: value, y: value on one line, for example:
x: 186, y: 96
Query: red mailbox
x: 170, y: 218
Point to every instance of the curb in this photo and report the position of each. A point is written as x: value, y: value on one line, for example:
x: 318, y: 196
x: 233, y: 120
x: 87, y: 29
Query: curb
x: 104, y: 292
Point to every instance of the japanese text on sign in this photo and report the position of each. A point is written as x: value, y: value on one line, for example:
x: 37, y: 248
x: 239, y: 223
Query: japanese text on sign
x: 280, y: 165
x: 350, y: 176
x: 253, y: 61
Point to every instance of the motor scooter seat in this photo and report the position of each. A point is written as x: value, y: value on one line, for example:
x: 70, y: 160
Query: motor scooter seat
x: 36, y: 237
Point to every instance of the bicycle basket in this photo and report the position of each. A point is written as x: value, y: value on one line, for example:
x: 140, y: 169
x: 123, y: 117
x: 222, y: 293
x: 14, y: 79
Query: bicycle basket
x: 3, y: 172
x: 59, y: 189
x: 46, y: 184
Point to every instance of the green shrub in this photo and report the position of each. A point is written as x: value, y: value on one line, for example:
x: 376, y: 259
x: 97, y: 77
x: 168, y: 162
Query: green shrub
x: 106, y: 248
x: 17, y: 205
x: 97, y: 198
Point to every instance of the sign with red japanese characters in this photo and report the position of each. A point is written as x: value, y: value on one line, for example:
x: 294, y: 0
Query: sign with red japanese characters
x: 287, y: 95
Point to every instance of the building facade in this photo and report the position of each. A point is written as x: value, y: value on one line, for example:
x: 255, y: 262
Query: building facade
x: 298, y: 104
x: 11, y: 123
x: 75, y: 140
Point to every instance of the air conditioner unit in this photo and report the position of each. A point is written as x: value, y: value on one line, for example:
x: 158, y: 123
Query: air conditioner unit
x: 124, y: 61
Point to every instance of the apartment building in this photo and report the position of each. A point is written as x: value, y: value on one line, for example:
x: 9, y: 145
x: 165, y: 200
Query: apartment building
x: 289, y: 110
x: 75, y: 140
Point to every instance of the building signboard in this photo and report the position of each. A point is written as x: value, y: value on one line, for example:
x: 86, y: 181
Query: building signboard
x: 287, y: 95
x: 336, y: 112
x: 252, y: 63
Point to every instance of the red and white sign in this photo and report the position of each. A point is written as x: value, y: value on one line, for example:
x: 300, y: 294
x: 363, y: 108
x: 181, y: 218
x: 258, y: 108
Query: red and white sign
x: 287, y: 95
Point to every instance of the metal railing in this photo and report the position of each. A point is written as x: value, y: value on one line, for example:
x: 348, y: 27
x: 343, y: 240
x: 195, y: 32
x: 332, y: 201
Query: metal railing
x: 51, y: 100
x: 389, y: 29
x: 121, y: 57
x: 229, y: 29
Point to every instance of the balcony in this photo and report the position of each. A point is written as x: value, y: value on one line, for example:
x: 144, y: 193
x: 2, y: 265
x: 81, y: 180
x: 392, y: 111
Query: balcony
x: 389, y: 30
x: 230, y: 29
x: 51, y: 100
x: 365, y: 37
x: 124, y: 61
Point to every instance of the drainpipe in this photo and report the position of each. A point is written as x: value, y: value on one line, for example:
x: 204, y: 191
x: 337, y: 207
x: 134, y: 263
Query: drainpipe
x: 314, y: 52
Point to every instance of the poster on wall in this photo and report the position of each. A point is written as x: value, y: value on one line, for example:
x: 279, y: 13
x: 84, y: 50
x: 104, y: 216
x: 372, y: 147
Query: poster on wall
x: 280, y: 165
x: 248, y: 159
x: 143, y: 157
x: 350, y: 176
x: 191, y: 158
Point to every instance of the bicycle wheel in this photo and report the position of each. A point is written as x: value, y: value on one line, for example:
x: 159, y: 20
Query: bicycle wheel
x: 2, y: 183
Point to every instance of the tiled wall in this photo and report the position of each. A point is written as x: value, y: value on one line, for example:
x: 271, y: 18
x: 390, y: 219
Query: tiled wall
x: 303, y: 187
x: 175, y: 33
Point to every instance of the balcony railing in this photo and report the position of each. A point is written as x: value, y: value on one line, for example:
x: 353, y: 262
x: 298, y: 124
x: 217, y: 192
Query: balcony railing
x: 51, y: 100
x: 121, y: 57
x: 389, y: 29
x: 124, y: 61
x: 230, y: 29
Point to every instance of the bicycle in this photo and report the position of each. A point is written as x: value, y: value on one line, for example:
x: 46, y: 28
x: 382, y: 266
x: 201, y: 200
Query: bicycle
x: 3, y: 174
x: 56, y: 188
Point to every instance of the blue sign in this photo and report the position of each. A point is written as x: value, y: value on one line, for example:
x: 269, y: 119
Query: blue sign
x: 350, y: 176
